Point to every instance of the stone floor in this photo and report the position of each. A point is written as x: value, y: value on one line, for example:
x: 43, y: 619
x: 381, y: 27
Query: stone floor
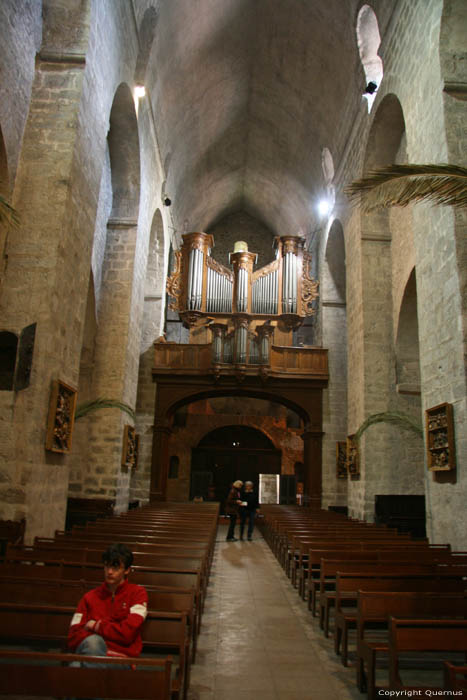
x: 258, y: 640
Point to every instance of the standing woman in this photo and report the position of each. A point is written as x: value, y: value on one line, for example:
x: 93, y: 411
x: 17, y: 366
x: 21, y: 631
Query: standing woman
x: 231, y: 508
x: 250, y: 499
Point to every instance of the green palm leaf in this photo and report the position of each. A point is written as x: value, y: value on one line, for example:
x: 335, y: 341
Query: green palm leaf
x: 399, y: 419
x: 7, y: 213
x: 87, y: 407
x: 400, y: 185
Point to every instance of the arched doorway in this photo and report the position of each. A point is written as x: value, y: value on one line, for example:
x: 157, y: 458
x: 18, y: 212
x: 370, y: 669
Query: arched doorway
x: 229, y: 453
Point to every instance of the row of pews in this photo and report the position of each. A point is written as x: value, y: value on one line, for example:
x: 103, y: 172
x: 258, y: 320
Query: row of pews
x: 41, y: 584
x: 397, y: 607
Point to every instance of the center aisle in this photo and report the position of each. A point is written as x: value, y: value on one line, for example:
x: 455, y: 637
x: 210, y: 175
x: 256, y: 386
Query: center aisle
x: 257, y: 640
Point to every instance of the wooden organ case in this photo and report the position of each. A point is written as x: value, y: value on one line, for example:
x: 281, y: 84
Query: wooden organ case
x: 243, y: 308
x: 241, y: 324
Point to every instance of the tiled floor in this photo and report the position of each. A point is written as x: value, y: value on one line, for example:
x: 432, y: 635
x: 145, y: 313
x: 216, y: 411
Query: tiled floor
x: 258, y: 641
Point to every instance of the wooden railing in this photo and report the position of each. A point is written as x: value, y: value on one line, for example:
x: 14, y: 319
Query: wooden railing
x: 298, y: 362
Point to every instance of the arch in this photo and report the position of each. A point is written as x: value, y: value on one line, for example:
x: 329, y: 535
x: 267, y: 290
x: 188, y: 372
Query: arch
x: 368, y: 41
x: 4, y: 175
x: 407, y: 343
x: 177, y: 404
x: 4, y: 187
x: 147, y: 32
x: 327, y: 165
x: 8, y: 351
x: 387, y: 131
x: 124, y: 155
x: 335, y: 262
x: 386, y: 145
x: 156, y: 257
x: 228, y: 453
x: 245, y: 436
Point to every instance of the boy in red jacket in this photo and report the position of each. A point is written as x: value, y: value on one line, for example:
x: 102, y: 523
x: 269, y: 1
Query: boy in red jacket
x: 108, y: 619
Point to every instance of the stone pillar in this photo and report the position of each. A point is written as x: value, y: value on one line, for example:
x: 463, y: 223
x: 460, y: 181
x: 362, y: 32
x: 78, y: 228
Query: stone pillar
x: 160, y: 459
x: 312, y: 461
x: 113, y: 376
x: 47, y: 275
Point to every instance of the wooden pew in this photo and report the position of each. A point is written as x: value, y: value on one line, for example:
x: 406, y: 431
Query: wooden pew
x: 155, y: 560
x: 375, y: 607
x: 50, y: 675
x: 92, y: 573
x: 422, y: 636
x: 367, y: 541
x: 348, y: 584
x: 46, y: 626
x: 303, y: 544
x: 385, y: 553
x: 67, y: 593
x: 455, y: 678
x: 325, y: 585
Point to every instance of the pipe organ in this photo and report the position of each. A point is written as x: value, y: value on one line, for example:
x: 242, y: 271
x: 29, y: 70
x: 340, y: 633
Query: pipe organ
x: 242, y: 306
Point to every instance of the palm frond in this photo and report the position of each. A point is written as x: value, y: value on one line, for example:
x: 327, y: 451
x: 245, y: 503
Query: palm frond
x: 395, y: 417
x: 400, y: 185
x: 7, y: 213
x: 87, y: 407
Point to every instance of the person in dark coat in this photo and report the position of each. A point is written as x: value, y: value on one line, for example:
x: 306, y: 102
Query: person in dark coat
x: 248, y: 511
x: 231, y: 508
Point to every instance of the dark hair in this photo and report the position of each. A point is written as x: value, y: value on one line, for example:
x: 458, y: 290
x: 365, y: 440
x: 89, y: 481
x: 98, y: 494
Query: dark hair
x: 118, y: 554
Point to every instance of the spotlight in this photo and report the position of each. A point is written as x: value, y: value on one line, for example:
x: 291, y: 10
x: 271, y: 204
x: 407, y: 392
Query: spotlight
x: 140, y: 91
x: 167, y: 201
x: 324, y: 207
x: 371, y: 88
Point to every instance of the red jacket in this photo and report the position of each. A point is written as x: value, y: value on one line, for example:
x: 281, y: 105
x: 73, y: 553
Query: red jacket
x: 118, y: 618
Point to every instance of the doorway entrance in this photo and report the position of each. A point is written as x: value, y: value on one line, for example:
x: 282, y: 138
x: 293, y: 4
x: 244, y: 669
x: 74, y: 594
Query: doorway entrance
x: 230, y: 453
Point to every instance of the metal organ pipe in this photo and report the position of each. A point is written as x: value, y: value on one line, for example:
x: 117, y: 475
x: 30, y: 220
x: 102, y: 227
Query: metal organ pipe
x: 199, y: 287
x: 190, y: 280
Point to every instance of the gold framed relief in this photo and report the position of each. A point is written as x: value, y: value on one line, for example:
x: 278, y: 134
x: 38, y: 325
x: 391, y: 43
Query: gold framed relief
x: 353, y: 461
x: 130, y: 447
x: 61, y: 417
x: 341, y: 460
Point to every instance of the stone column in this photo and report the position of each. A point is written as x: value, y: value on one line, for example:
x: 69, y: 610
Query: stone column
x: 46, y: 279
x: 312, y: 458
x: 160, y: 459
x: 115, y: 371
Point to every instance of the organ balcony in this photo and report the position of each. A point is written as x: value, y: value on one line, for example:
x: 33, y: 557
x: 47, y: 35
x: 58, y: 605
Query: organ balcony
x: 241, y: 321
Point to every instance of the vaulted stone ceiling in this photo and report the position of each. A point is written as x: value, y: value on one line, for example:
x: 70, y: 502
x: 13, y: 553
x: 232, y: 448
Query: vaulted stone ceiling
x: 246, y: 94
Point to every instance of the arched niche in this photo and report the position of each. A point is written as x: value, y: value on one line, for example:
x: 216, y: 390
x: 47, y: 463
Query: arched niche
x: 335, y: 280
x: 154, y: 283
x: 4, y: 176
x: 4, y: 191
x: 146, y: 34
x: 386, y: 145
x: 123, y: 144
x: 368, y: 41
x: 407, y: 343
x: 327, y: 165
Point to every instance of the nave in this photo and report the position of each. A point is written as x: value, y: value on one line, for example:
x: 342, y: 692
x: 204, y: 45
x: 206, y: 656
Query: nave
x: 258, y: 641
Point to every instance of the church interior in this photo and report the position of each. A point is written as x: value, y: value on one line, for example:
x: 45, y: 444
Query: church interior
x: 189, y: 295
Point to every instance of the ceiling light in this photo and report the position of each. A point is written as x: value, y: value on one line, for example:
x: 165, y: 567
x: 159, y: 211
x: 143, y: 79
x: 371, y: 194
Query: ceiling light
x: 324, y: 207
